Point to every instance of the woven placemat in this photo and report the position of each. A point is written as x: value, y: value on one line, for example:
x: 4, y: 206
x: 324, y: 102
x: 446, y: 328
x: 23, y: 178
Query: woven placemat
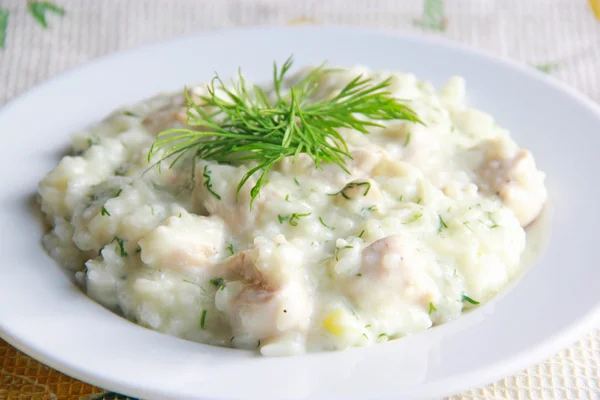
x: 559, y: 37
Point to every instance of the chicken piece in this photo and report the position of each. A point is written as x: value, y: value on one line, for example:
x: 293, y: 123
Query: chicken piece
x: 392, y: 270
x: 266, y: 295
x: 511, y: 173
x: 184, y: 241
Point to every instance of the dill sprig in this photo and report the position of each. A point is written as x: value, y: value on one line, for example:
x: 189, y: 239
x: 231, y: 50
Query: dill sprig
x: 244, y: 124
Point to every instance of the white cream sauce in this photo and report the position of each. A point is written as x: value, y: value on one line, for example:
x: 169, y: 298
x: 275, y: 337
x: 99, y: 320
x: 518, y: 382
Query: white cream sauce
x: 324, y: 259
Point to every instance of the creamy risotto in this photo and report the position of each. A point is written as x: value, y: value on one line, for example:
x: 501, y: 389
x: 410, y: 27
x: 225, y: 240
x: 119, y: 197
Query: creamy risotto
x: 427, y: 220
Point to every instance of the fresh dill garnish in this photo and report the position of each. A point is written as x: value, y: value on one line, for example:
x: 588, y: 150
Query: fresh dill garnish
x: 359, y: 274
x: 287, y: 198
x: 118, y: 193
x: 121, y: 244
x: 368, y: 326
x: 372, y: 208
x: 324, y: 224
x: 365, y: 335
x: 138, y: 250
x: 129, y: 114
x: 203, y: 318
x: 468, y: 299
x: 350, y: 186
x: 207, y: 184
x: 442, y: 223
x: 431, y: 308
x: 231, y: 340
x: 230, y: 249
x: 179, y: 215
x: 348, y: 247
x: 360, y: 235
x: 401, y: 197
x: 246, y: 125
x: 258, y: 345
x: 4, y: 13
x: 294, y: 218
x: 407, y: 140
x: 296, y: 180
x: 105, y: 211
x: 38, y: 10
x: 419, y: 200
x: 382, y: 335
x: 281, y: 218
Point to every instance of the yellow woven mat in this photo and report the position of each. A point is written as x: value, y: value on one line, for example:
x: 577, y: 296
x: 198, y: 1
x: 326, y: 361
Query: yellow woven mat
x: 23, y: 378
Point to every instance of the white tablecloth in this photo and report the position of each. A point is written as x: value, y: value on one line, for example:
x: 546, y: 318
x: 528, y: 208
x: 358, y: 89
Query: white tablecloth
x: 561, y: 37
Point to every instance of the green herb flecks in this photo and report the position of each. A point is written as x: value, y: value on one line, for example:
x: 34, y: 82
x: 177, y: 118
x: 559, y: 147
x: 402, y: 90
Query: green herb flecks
x: 324, y: 224
x: 442, y: 224
x: 203, y: 318
x: 218, y: 282
x: 207, y: 183
x: 4, y: 13
x: 230, y: 249
x: 352, y: 185
x: 431, y: 308
x: 407, y: 140
x: 105, y: 211
x: 121, y: 244
x: 38, y: 10
x: 246, y: 126
x: 360, y: 235
x: 294, y: 218
x: 468, y: 299
x: 382, y: 335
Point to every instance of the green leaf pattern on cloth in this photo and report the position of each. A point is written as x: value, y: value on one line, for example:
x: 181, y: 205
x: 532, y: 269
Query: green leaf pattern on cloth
x: 547, y: 68
x: 434, y: 16
x: 38, y: 10
x: 3, y: 26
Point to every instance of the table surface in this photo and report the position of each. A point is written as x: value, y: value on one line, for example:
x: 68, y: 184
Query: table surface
x: 559, y: 37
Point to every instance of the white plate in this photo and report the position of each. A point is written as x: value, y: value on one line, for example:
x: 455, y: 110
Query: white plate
x: 43, y: 314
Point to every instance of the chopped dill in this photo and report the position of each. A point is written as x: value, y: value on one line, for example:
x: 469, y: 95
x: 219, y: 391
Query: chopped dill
x: 352, y: 185
x: 324, y: 224
x: 121, y: 244
x: 203, y: 318
x: 431, y: 308
x: 294, y: 218
x: 468, y: 299
x: 105, y: 211
x: 442, y: 223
